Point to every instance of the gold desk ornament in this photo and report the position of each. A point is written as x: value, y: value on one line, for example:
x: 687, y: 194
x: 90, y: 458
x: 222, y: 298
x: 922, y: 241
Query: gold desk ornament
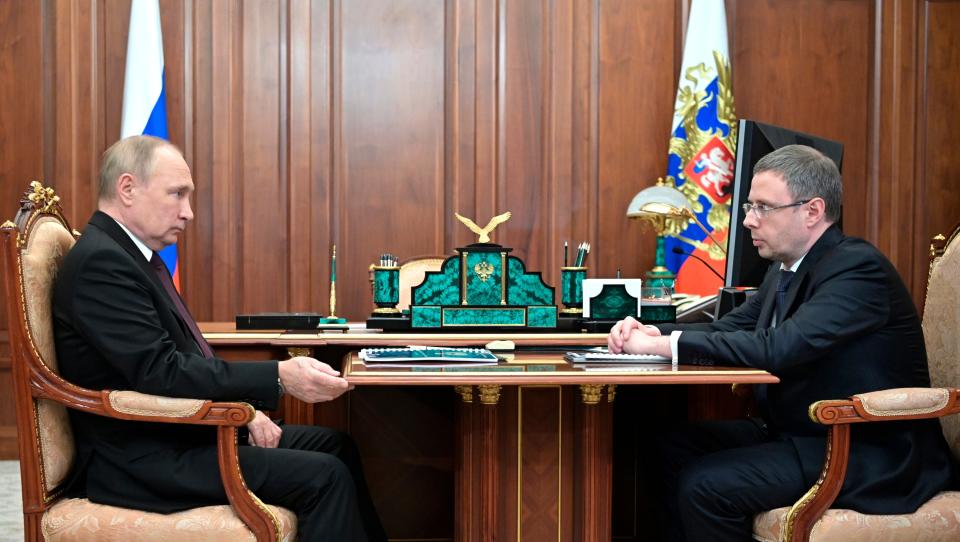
x: 484, y: 232
x: 333, y: 283
x: 8, y: 224
x: 483, y: 270
x: 333, y: 319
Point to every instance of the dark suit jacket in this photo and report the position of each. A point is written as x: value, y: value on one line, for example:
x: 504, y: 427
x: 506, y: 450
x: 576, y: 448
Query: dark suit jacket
x: 116, y: 328
x: 850, y: 327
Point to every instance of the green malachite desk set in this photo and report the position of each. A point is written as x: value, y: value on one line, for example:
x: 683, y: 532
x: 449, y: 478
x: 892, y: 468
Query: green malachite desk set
x: 482, y: 287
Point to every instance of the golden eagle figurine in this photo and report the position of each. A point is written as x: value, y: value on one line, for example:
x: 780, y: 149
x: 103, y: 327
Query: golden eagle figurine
x: 484, y: 232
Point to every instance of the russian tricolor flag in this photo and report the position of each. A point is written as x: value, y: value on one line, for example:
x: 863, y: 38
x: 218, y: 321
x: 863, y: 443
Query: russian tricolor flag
x: 144, y: 96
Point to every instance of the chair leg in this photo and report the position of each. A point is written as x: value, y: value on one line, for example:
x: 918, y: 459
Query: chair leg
x: 32, y: 531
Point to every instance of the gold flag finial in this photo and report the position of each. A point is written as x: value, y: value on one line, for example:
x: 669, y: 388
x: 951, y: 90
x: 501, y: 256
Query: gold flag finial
x: 484, y: 232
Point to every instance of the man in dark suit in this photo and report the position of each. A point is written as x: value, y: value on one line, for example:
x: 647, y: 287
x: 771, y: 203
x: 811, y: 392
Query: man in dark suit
x: 120, y: 324
x: 831, y: 319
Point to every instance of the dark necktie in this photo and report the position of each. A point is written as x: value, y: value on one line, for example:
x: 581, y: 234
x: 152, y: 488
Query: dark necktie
x: 164, y: 275
x: 780, y: 310
x: 783, y: 284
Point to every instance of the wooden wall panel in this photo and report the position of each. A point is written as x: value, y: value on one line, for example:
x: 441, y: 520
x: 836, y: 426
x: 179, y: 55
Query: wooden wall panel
x: 262, y: 173
x: 637, y: 79
x: 524, y: 111
x: 893, y: 140
x: 938, y: 201
x: 813, y: 78
x: 21, y: 156
x: 389, y: 185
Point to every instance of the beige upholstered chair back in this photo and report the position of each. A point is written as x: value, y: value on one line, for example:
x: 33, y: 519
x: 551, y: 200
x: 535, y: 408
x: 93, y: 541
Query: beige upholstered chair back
x: 412, y: 273
x: 47, y: 243
x: 941, y: 328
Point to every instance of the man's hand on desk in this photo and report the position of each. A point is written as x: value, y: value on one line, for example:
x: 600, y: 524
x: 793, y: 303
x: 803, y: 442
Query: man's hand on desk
x: 263, y: 432
x: 310, y: 380
x: 631, y: 337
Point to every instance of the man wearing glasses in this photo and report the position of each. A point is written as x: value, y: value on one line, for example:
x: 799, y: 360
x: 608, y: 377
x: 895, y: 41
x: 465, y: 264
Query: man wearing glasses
x: 831, y: 319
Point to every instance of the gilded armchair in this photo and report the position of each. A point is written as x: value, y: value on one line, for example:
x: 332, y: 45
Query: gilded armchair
x: 33, y: 246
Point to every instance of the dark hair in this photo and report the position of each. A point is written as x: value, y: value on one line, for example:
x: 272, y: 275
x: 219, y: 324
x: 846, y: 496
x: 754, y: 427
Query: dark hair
x: 808, y: 174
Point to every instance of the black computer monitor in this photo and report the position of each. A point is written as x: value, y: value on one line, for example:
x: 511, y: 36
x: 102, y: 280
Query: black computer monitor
x: 755, y: 140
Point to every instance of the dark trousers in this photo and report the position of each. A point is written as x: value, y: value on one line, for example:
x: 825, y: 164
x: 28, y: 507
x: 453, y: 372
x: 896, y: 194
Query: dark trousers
x: 717, y: 475
x: 316, y: 473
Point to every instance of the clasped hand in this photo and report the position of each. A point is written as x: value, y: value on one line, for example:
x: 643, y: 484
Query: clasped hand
x: 263, y: 432
x: 631, y: 337
x: 310, y: 380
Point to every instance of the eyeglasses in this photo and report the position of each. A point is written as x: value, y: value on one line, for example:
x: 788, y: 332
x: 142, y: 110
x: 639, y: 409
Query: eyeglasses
x: 762, y: 210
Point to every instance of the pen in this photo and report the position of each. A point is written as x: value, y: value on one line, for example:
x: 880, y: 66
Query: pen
x: 565, y: 260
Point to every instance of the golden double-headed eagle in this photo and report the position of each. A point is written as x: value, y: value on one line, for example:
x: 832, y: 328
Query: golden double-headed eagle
x: 484, y: 232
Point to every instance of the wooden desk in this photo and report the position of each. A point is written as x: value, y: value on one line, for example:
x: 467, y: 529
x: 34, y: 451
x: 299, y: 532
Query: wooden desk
x: 546, y: 470
x: 521, y: 452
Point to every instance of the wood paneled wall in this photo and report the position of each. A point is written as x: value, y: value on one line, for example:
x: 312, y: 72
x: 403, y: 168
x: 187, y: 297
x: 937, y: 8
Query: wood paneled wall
x: 367, y: 123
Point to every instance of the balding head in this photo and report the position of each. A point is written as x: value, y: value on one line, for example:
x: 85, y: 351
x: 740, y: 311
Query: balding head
x: 134, y: 155
x: 145, y: 185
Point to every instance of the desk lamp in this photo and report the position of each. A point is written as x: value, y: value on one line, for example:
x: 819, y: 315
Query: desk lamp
x: 668, y: 211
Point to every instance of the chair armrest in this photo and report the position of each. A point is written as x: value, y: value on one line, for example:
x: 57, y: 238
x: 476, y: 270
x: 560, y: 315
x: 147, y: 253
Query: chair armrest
x: 132, y: 405
x: 888, y: 405
x: 837, y: 415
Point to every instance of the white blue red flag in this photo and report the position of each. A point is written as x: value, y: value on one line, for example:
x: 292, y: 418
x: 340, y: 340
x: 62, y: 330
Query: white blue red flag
x: 702, y: 146
x: 144, y: 94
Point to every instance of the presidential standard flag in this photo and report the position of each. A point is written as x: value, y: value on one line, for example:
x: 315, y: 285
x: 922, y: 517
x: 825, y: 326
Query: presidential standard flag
x: 144, y: 96
x: 702, y: 146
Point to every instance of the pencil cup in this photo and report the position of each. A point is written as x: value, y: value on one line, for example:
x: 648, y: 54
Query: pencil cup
x: 386, y: 289
x: 571, y: 289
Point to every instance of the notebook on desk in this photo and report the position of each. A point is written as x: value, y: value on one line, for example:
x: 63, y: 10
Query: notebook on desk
x: 422, y: 356
x: 608, y: 358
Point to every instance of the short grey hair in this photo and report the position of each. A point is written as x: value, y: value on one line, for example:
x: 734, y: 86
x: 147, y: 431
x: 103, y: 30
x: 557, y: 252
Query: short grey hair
x: 809, y: 174
x: 134, y: 155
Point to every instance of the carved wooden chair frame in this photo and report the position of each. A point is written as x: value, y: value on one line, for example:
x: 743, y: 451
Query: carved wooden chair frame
x: 838, y: 415
x: 33, y: 379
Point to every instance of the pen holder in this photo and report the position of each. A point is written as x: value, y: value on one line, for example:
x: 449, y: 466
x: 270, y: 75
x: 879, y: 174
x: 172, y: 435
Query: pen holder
x: 571, y: 289
x: 386, y: 289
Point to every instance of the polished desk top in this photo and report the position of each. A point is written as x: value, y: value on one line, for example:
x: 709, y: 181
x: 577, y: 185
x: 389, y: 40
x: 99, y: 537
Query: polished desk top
x: 225, y: 333
x: 530, y: 367
x: 523, y: 367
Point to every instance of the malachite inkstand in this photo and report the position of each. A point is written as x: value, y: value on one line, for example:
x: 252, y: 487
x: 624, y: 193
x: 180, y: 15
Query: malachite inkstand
x: 483, y: 286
